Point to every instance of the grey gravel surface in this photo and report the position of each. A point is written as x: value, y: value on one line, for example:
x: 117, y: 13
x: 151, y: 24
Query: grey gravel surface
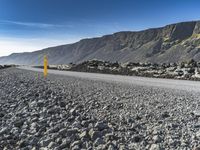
x: 63, y: 112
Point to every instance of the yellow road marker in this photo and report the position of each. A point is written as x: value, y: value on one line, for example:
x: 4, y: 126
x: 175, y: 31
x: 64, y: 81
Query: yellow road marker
x: 45, y: 66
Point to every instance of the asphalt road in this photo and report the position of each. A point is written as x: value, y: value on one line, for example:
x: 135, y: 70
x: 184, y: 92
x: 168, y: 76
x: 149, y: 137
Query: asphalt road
x: 193, y: 86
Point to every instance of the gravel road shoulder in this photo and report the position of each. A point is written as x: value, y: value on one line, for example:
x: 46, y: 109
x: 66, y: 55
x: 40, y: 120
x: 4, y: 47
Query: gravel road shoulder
x: 63, y: 112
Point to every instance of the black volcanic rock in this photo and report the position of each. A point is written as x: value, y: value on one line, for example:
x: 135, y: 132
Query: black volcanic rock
x: 197, y: 28
x: 172, y: 43
x: 182, y: 30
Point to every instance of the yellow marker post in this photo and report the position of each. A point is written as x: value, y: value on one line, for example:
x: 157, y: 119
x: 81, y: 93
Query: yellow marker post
x: 45, y: 66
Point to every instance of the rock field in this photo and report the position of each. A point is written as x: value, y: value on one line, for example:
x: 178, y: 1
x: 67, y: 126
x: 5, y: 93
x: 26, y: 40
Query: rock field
x: 72, y: 113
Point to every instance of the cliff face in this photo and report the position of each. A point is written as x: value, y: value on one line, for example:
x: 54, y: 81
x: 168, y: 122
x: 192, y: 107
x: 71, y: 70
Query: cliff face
x: 172, y: 43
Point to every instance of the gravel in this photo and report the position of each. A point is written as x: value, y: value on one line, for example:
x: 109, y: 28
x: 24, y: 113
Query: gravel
x: 63, y: 112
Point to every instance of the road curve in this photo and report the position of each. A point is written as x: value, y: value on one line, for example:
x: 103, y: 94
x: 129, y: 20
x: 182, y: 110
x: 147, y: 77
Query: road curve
x: 193, y: 86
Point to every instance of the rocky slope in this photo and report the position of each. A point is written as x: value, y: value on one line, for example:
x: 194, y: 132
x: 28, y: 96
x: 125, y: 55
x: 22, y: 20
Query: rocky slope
x: 172, y: 43
x: 73, y: 113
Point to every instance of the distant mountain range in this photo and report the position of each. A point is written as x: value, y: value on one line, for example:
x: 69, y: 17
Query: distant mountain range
x: 172, y: 43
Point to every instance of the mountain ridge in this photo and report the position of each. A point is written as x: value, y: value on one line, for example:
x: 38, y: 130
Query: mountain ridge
x: 171, y: 43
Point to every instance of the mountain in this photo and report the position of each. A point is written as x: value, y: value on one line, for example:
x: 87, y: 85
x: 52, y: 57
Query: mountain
x: 172, y: 43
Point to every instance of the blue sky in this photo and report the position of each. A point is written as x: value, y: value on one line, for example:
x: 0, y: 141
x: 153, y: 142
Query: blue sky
x: 27, y: 25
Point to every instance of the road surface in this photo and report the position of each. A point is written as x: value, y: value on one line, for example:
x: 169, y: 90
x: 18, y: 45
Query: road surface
x: 142, y: 81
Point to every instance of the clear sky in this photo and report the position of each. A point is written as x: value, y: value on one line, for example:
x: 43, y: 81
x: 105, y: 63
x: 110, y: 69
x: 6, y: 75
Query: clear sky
x: 27, y: 25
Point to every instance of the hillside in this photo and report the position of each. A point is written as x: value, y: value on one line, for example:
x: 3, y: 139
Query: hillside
x: 172, y: 43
